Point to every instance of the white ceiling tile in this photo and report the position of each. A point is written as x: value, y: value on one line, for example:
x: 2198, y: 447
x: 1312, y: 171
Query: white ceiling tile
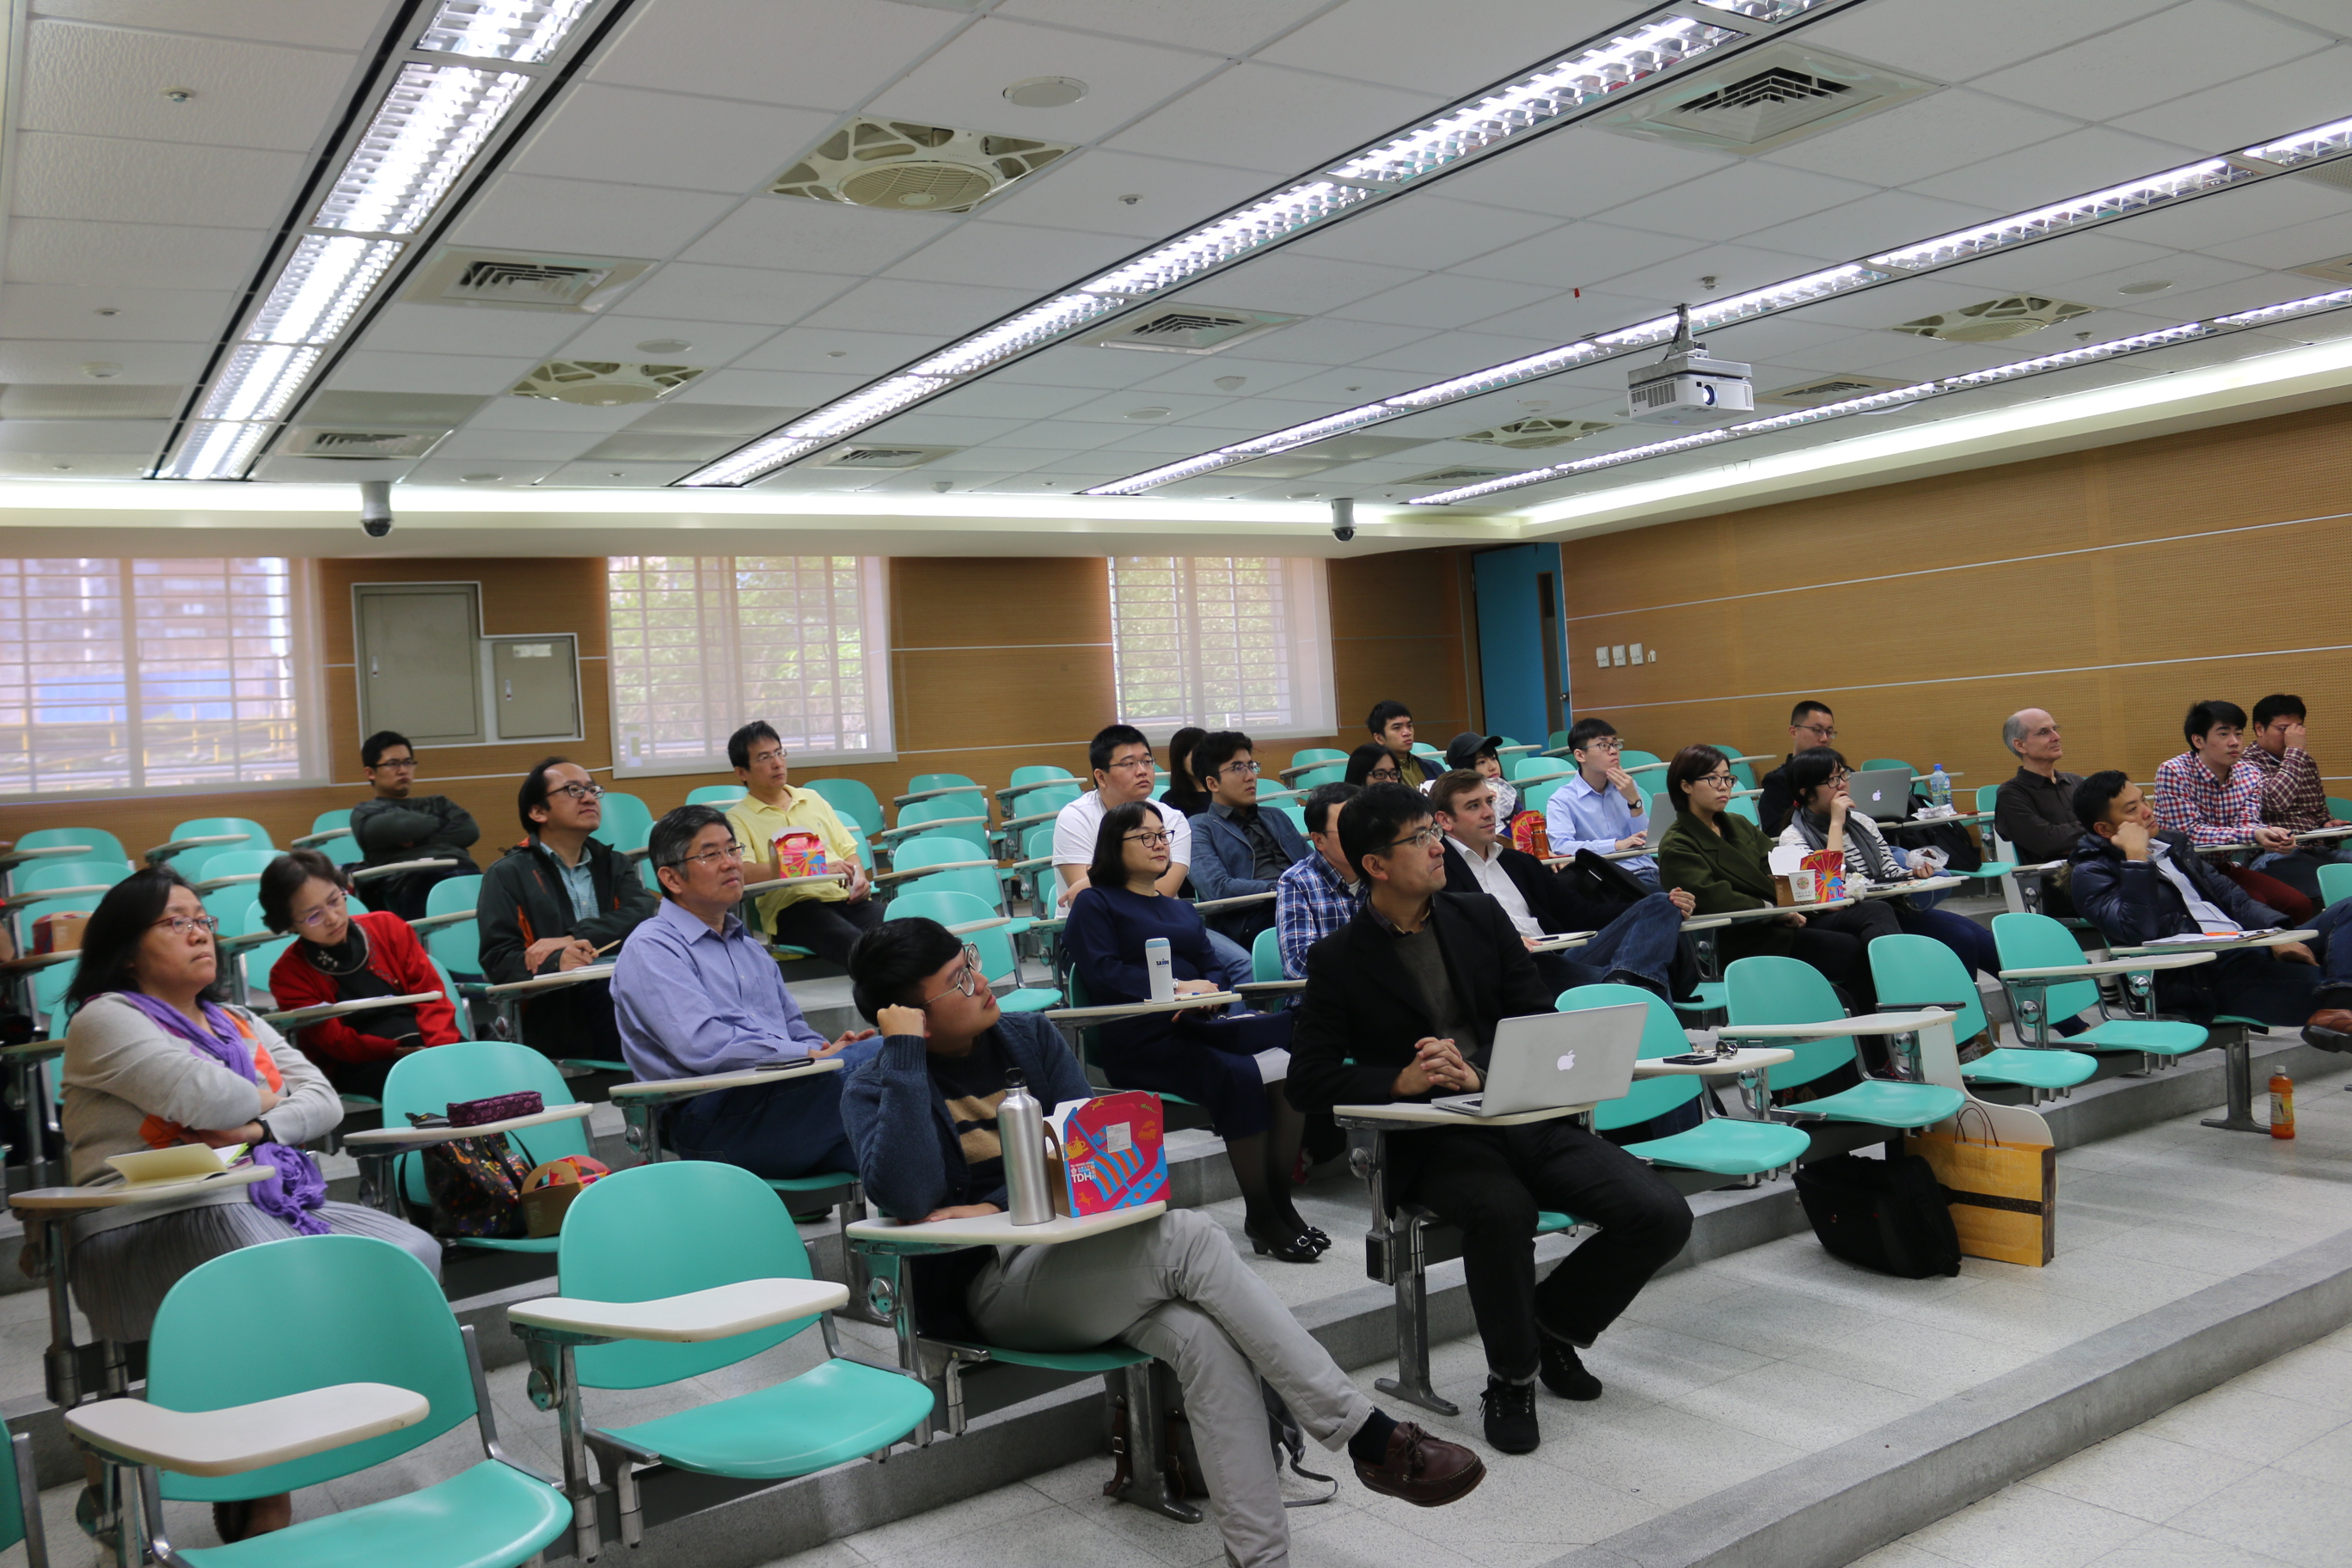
x: 1393, y: 41
x: 70, y: 467
x: 511, y: 412
x: 161, y: 182
x: 993, y: 459
x: 2154, y: 60
x: 1442, y: 355
x: 794, y: 234
x: 1148, y: 446
x: 1059, y: 436
x: 1581, y: 170
x: 320, y: 24
x: 1345, y: 386
x: 1307, y: 285
x: 2250, y: 290
x: 1281, y: 122
x: 2054, y: 265
x: 890, y: 304
x: 963, y: 84
x: 83, y: 436
x: 1922, y: 35
x: 1775, y: 338
x: 829, y: 351
x: 768, y: 388
x: 825, y: 54
x: 1199, y: 374
x: 1091, y: 366
x: 1332, y: 341
x: 693, y: 291
x: 1442, y: 299
x: 1925, y: 136
x: 512, y: 473
x: 2238, y: 213
x: 2052, y: 171
x: 1011, y: 254
x: 604, y: 474
x: 469, y: 330
x: 925, y: 428
x: 1905, y: 300
x: 108, y: 81
x: 1088, y: 190
x: 676, y: 140
x: 2328, y: 16
x: 1874, y: 224
x: 2186, y: 273
x: 1581, y: 253
x: 1220, y: 26
x: 531, y: 212
x: 2286, y: 248
x: 141, y: 315
x: 143, y: 364
x: 550, y: 446
x: 2301, y: 93
x: 1740, y: 201
x: 1564, y: 318
x: 366, y: 371
x: 708, y: 343
x: 1425, y: 231
x: 994, y: 399
x: 1114, y: 409
x: 131, y: 255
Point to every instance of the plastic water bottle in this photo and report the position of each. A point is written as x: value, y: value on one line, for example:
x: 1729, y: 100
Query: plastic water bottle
x: 1939, y: 788
x: 1161, y: 968
x: 2282, y: 1106
x: 1021, y: 1130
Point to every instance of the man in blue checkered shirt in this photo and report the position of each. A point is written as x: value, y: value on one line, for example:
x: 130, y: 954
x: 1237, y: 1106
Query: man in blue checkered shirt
x: 1319, y: 894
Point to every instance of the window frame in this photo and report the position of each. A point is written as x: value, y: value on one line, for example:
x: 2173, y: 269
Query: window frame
x: 1307, y: 635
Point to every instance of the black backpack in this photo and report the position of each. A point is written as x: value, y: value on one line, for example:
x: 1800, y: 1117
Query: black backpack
x: 1890, y: 1215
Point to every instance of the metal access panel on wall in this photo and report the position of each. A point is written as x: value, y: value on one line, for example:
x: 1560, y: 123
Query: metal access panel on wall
x: 535, y: 687
x: 420, y: 660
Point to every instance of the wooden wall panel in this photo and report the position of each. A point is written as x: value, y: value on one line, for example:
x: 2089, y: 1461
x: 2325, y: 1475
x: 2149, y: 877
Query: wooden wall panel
x: 2113, y: 587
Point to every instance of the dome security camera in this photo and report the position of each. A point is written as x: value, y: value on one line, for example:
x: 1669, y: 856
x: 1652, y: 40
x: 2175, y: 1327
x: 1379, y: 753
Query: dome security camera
x: 376, y: 506
x: 1343, y: 518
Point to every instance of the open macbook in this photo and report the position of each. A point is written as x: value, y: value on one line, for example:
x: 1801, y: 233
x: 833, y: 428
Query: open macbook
x: 1883, y: 794
x: 1546, y: 1060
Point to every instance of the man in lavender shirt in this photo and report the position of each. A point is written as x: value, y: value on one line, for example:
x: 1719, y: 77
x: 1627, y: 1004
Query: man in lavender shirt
x: 696, y: 994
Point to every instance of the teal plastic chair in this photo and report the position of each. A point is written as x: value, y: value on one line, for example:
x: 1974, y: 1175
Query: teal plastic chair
x: 1767, y: 990
x: 1875, y: 762
x: 247, y: 863
x: 1718, y: 1144
x: 1265, y: 957
x: 852, y: 800
x: 2338, y: 807
x: 227, y: 905
x: 1745, y: 805
x: 1743, y: 773
x: 2334, y: 883
x: 719, y: 795
x: 1537, y: 767
x: 1307, y: 754
x: 960, y: 785
x: 961, y: 810
x: 456, y: 946
x: 343, y: 851
x: 1321, y: 773
x: 463, y: 1021
x: 325, y: 828
x: 1038, y: 807
x: 102, y: 845
x: 1919, y: 972
x: 1629, y: 760
x: 258, y: 958
x: 626, y: 823
x: 20, y: 1501
x: 1994, y: 868
x: 1536, y: 796
x: 2037, y: 942
x: 996, y: 956
x: 1037, y: 877
x: 949, y: 849
x: 672, y: 1229
x: 431, y: 1080
x: 190, y: 863
x: 37, y: 876
x: 1296, y: 812
x: 343, y: 1310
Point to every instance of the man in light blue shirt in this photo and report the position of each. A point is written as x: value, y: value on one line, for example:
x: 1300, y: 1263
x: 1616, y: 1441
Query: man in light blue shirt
x: 1602, y: 808
x: 696, y: 994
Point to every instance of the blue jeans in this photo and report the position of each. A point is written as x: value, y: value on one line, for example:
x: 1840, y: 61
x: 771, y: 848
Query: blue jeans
x: 1641, y: 942
x: 1232, y: 960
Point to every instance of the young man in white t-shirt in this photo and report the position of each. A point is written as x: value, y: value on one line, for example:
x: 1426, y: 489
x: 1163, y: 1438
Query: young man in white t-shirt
x: 1120, y: 759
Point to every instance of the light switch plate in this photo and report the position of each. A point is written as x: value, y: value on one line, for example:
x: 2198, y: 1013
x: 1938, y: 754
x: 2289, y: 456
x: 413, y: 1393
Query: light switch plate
x: 1617, y: 653
x: 1602, y: 652
x: 1634, y: 650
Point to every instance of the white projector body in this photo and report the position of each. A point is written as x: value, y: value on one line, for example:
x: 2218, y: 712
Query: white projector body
x: 1690, y: 389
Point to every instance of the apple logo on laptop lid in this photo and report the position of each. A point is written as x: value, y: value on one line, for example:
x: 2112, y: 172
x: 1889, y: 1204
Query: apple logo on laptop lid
x: 1567, y: 1062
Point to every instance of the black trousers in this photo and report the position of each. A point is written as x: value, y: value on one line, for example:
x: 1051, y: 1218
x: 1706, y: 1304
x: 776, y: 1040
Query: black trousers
x: 404, y: 895
x: 574, y: 1022
x: 827, y: 927
x: 1492, y: 1180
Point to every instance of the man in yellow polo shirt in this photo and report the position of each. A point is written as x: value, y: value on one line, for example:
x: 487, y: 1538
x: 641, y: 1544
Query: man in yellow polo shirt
x: 825, y: 918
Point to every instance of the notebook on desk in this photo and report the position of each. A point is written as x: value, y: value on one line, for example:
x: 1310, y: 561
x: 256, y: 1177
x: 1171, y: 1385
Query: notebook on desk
x: 1546, y: 1060
x: 1883, y: 794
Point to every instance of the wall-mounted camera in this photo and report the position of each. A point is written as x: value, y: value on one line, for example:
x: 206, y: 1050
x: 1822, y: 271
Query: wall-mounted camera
x: 376, y: 506
x: 1343, y: 518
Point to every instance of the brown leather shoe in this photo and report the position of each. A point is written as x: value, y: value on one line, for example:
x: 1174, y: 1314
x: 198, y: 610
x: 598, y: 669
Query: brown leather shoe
x: 1426, y: 1471
x: 2330, y: 1029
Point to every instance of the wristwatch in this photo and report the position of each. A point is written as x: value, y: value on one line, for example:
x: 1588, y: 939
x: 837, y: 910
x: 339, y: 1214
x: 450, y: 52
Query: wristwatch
x: 266, y: 1135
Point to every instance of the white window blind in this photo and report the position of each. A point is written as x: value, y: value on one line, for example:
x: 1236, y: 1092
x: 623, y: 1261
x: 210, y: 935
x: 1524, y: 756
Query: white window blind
x: 1229, y: 642
x: 130, y: 675
x: 704, y: 644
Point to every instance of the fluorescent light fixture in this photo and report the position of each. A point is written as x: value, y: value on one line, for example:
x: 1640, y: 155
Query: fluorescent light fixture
x: 430, y: 125
x: 820, y: 429
x: 1762, y: 10
x: 1780, y: 296
x: 1263, y: 221
x: 2041, y: 223
x: 1313, y: 430
x: 2268, y: 313
x: 259, y: 381
x: 761, y: 458
x: 1023, y: 332
x: 522, y: 31
x: 2320, y: 142
x: 1190, y: 467
x: 212, y: 449
x: 2163, y: 338
x: 1494, y: 377
x: 322, y: 286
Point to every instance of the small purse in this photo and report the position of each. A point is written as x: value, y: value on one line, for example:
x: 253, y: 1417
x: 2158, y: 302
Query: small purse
x: 496, y: 1108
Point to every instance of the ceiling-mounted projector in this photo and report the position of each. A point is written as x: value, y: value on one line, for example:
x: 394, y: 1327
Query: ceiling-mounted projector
x: 1688, y: 388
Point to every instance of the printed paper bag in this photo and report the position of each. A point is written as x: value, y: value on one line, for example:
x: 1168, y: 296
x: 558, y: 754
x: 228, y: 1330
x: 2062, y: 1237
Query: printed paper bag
x: 799, y: 854
x: 2004, y: 1196
x: 1109, y: 1153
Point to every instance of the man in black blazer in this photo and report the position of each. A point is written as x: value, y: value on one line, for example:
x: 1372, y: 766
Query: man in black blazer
x: 1400, y: 1005
x: 1638, y: 938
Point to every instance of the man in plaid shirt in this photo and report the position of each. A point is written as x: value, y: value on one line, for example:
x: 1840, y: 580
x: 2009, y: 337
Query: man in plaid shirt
x: 2293, y: 795
x: 1319, y: 894
x: 2206, y: 794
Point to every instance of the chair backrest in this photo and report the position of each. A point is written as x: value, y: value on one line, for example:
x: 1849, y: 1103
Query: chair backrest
x: 227, y: 905
x: 2337, y: 806
x: 463, y: 1020
x: 1296, y: 812
x: 340, y: 1309
x: 102, y: 845
x: 997, y: 961
x: 627, y: 819
x: 1423, y: 749
x: 246, y: 921
x: 720, y: 796
x: 943, y: 808
x: 343, y: 851
x: 458, y: 944
x: 2038, y: 942
x: 328, y: 821
x: 1536, y: 796
x: 240, y: 862
x: 1631, y: 759
x: 431, y: 1080
x: 1917, y: 972
x: 1038, y: 802
x: 1661, y: 1035
x: 851, y: 800
x: 37, y: 875
x: 2336, y: 882
x: 1535, y: 766
x: 1265, y: 955
x: 1988, y: 796
x: 12, y: 1494
x: 1744, y: 773
x: 1036, y: 772
x: 1307, y: 754
x: 945, y: 848
x: 193, y: 863
x: 1767, y: 990
x: 956, y: 782
x: 667, y: 1230
x: 1885, y: 763
x: 1321, y: 773
x: 1745, y: 805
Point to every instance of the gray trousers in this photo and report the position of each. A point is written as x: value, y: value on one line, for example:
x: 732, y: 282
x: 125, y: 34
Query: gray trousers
x: 1174, y: 1289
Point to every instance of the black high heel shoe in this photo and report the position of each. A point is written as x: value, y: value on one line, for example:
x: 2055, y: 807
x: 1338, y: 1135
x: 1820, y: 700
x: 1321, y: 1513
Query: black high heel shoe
x: 1286, y: 1249
x: 1321, y: 1242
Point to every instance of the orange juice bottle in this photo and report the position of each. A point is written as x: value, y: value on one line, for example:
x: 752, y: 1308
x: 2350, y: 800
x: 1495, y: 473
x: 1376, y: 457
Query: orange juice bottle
x: 2282, y: 1106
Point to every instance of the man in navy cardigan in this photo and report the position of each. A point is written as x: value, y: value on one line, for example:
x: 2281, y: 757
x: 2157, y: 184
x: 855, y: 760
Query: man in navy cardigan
x: 922, y: 1115
x: 1238, y: 846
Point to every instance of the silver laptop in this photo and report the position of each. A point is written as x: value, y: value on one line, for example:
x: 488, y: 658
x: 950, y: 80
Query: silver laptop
x: 1883, y: 794
x: 1546, y: 1060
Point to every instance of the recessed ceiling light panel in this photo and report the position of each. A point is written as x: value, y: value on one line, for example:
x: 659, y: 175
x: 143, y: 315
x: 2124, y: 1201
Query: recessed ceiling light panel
x: 1996, y: 321
x: 910, y: 167
x: 1046, y: 92
x: 603, y: 384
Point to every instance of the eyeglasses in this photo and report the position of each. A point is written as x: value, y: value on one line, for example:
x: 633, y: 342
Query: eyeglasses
x: 1421, y: 840
x: 397, y: 763
x: 334, y: 905
x: 1605, y: 743
x: 1826, y: 731
x: 1131, y: 764
x: 731, y: 851
x: 181, y: 925
x: 1150, y: 838
x: 762, y: 759
x: 1720, y: 780
x: 583, y: 792
x: 1244, y: 768
x: 967, y: 979
x: 1384, y: 776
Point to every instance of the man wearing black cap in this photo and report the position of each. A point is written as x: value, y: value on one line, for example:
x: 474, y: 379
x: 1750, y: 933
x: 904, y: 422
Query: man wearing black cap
x: 1482, y: 755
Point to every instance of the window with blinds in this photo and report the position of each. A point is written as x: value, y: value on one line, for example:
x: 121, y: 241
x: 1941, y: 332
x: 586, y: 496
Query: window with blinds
x: 1228, y: 642
x: 122, y: 675
x: 702, y: 645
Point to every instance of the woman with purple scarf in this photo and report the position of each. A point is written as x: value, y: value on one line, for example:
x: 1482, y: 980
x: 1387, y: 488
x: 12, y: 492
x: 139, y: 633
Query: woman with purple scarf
x: 151, y: 1061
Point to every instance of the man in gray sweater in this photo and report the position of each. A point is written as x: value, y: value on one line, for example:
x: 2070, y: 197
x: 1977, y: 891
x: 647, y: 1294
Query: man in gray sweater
x: 396, y: 826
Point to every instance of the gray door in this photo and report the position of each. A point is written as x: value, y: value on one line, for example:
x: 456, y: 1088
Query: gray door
x: 418, y: 663
x: 534, y: 684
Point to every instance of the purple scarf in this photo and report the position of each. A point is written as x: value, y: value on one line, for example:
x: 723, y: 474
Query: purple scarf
x: 294, y: 1194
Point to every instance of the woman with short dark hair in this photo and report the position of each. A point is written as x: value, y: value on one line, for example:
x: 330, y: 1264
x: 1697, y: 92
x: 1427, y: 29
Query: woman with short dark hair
x: 1823, y: 818
x: 1371, y: 764
x: 339, y: 956
x: 1184, y: 792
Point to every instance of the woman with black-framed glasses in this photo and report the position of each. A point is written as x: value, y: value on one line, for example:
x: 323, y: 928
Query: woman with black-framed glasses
x: 339, y: 956
x: 1211, y: 1061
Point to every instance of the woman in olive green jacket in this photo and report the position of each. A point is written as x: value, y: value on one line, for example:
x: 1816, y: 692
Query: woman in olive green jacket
x: 1724, y: 862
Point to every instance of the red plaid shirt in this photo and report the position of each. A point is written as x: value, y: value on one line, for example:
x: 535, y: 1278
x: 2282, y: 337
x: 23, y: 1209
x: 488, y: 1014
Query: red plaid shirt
x: 2293, y: 797
x: 2190, y: 800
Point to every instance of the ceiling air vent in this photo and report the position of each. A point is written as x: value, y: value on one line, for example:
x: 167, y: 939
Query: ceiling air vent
x: 1828, y: 389
x: 1456, y: 476
x: 313, y: 442
x: 1996, y: 321
x: 2337, y: 270
x: 1190, y: 330
x: 1766, y: 98
x: 1525, y: 435
x: 884, y: 457
x: 602, y: 384
x: 908, y: 167
x: 515, y: 281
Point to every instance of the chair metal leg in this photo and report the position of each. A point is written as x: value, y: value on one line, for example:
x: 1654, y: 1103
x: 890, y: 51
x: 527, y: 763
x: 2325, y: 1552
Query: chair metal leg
x: 1411, y: 1382
x: 1147, y: 1440
x: 552, y: 1386
x: 2238, y: 1072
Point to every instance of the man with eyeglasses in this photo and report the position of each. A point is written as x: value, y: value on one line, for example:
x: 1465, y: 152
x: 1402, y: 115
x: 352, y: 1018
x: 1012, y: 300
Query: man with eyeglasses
x: 395, y: 825
x: 560, y: 900
x: 696, y: 994
x: 1811, y: 724
x: 825, y: 918
x: 1602, y: 808
x: 1400, y: 1005
x: 1242, y: 847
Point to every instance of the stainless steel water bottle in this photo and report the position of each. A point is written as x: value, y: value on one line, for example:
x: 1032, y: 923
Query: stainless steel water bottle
x: 1020, y: 1130
x: 1161, y: 967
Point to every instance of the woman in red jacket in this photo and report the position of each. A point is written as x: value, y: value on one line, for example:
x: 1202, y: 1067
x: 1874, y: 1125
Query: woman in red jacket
x: 344, y: 957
